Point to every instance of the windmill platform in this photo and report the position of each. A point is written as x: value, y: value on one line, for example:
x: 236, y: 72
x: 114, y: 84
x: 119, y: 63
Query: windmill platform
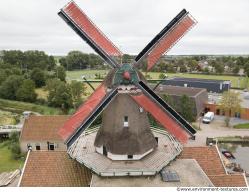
x: 83, y: 151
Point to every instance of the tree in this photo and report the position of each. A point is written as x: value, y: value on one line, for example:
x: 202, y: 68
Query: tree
x: 183, y: 69
x: 77, y: 90
x: 38, y: 76
x: 10, y: 86
x: 219, y: 67
x: 3, y: 76
x: 186, y: 108
x: 246, y: 68
x: 60, y: 73
x: 168, y: 99
x: 13, y: 57
x: 59, y: 94
x: 230, y: 102
x: 15, y: 145
x: 192, y: 64
x: 26, y: 92
x: 75, y: 60
x: 95, y: 61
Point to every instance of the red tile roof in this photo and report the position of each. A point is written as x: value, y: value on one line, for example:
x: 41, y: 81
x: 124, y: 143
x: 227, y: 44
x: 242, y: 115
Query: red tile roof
x: 54, y: 169
x: 209, y: 160
x: 43, y: 127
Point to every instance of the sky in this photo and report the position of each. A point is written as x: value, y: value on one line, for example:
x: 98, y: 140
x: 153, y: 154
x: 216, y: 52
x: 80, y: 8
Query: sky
x: 222, y: 28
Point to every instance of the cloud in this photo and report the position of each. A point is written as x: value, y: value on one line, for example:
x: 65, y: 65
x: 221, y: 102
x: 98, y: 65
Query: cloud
x: 222, y: 25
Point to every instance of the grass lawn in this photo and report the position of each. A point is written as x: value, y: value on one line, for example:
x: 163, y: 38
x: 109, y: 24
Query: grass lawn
x: 6, y: 161
x: 89, y: 74
x: 242, y: 126
x: 41, y: 93
x: 7, y: 118
x: 19, y: 107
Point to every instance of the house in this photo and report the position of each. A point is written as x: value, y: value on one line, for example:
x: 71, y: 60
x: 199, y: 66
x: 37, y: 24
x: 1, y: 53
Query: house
x: 213, y: 105
x: 216, y: 86
x: 41, y: 133
x: 198, y: 96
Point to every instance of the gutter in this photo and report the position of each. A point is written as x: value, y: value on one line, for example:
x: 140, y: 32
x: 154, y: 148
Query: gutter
x: 23, y: 169
x: 220, y: 156
x: 244, y: 174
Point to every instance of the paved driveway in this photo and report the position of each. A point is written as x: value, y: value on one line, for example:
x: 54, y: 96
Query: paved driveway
x: 217, y: 129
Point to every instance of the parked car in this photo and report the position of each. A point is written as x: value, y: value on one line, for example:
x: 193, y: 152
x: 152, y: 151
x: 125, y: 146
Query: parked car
x: 208, y: 117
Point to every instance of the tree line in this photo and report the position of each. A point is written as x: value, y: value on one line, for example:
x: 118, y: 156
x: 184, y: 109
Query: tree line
x: 20, y: 83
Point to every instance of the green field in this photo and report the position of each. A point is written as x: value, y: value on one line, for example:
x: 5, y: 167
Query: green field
x: 7, y: 163
x: 19, y: 107
x: 7, y: 118
x: 90, y: 74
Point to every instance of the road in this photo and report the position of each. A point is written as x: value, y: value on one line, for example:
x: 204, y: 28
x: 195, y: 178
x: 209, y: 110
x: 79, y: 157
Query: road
x: 217, y: 129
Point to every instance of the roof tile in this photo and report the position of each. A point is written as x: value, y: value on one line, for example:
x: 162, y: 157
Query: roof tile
x: 54, y: 169
x: 43, y: 127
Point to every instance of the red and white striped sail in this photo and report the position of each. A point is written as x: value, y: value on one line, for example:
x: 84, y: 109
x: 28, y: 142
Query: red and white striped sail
x: 169, y: 40
x: 92, y: 31
x: 74, y: 122
x: 162, y: 117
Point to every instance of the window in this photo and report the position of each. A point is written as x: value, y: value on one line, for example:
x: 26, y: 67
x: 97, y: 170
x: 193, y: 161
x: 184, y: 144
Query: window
x: 51, y: 146
x: 37, y: 146
x: 130, y: 156
x: 126, y: 123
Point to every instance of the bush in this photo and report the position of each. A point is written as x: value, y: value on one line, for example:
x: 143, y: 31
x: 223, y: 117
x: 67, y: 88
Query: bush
x: 15, y: 150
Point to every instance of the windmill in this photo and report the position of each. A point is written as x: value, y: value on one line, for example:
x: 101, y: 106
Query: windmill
x: 124, y: 99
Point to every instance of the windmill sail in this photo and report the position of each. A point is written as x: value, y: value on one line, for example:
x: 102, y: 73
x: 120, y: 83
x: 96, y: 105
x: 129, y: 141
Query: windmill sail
x: 89, y: 32
x: 166, y: 39
x: 86, y: 114
x: 163, y: 113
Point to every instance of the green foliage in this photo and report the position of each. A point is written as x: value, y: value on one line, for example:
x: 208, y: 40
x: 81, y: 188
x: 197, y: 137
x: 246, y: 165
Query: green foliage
x: 230, y: 102
x: 59, y: 94
x: 7, y: 163
x: 247, y: 69
x: 28, y: 60
x: 183, y: 69
x: 186, y: 108
x: 94, y: 61
x: 77, y: 90
x: 9, y: 87
x: 127, y: 58
x: 26, y: 92
x: 3, y: 76
x: 14, y: 145
x: 60, y: 73
x: 38, y: 76
x: 168, y: 99
x: 75, y: 60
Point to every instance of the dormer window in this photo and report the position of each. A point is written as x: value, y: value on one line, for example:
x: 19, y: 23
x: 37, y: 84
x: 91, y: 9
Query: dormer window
x: 126, y: 122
